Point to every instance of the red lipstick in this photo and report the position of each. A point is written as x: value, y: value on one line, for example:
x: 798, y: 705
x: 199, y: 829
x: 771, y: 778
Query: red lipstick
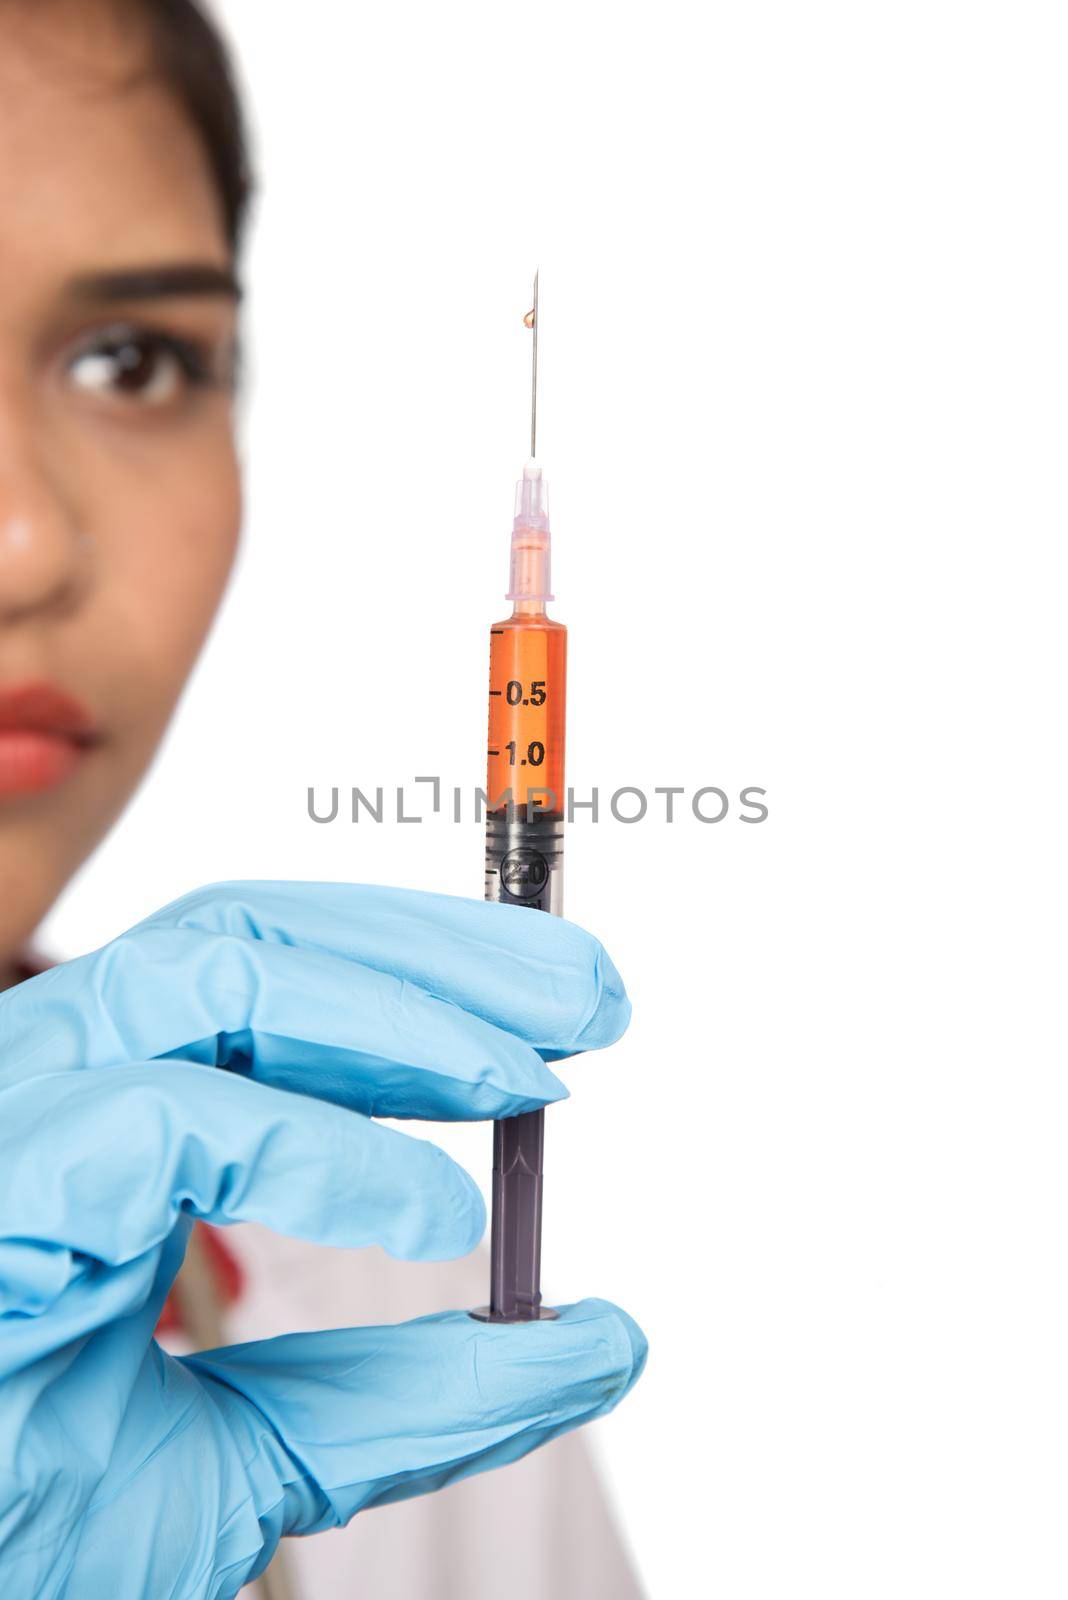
x: 44, y: 735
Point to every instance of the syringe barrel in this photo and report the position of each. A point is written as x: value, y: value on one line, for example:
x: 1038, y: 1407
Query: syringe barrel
x: 524, y: 867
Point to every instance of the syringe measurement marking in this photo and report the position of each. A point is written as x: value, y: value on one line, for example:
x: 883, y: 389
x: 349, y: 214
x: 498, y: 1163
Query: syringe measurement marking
x: 527, y: 669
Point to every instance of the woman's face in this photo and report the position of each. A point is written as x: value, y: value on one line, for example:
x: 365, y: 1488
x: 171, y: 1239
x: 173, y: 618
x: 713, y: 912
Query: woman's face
x: 119, y: 495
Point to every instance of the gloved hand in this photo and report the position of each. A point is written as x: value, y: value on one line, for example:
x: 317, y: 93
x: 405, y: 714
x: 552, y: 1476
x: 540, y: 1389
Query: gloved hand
x: 126, y: 1474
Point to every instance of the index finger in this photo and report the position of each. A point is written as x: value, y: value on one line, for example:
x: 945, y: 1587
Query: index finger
x: 541, y: 978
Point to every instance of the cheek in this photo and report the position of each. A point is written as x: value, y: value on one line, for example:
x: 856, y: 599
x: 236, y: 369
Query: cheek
x: 164, y: 565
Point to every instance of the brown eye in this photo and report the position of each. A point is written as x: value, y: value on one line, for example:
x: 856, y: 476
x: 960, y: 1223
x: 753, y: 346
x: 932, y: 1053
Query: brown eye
x: 141, y: 367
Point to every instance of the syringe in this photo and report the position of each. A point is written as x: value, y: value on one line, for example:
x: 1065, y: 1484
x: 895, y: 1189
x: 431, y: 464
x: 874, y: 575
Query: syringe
x: 524, y: 848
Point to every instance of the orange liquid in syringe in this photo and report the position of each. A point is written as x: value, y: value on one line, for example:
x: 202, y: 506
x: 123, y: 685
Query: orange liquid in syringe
x: 528, y: 700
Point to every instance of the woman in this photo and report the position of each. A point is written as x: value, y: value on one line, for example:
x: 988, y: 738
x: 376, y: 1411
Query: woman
x: 126, y: 1471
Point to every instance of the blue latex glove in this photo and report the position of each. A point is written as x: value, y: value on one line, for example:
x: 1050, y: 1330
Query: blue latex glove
x: 130, y: 1475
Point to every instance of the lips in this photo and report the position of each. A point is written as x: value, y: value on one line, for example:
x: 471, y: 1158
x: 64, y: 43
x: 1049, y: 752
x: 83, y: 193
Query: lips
x: 45, y: 735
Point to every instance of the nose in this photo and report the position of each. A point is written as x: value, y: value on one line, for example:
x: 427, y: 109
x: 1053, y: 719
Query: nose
x: 42, y: 550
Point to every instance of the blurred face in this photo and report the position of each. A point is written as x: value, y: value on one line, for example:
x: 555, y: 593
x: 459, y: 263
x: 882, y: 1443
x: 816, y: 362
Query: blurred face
x: 119, y: 498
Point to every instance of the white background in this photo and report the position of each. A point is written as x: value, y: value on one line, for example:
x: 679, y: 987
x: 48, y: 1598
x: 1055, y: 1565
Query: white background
x: 804, y: 404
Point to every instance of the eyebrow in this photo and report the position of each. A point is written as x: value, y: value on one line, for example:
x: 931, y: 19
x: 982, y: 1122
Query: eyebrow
x: 174, y: 281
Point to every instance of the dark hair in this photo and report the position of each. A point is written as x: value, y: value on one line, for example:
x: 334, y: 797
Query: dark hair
x: 192, y: 61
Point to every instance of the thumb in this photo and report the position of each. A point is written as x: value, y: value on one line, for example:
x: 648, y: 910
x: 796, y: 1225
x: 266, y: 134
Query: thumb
x: 369, y: 1415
